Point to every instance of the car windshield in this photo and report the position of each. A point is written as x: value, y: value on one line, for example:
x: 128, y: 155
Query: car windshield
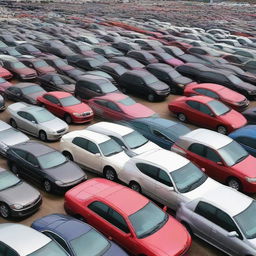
x: 135, y: 64
x: 175, y: 131
x: 94, y: 63
x: 177, y: 51
x: 31, y: 89
x: 234, y: 79
x: 188, y: 178
x: 2, y: 80
x: 84, y: 47
x: 40, y: 64
x: 51, y: 160
x: 135, y: 140
x: 7, y: 179
x: 148, y: 220
x: 165, y: 55
x: 18, y: 65
x: 50, y: 249
x: 110, y: 147
x: 108, y: 88
x: 69, y: 101
x: 13, y: 52
x: 218, y: 107
x: 60, y: 63
x: 120, y: 70
x: 247, y: 222
x: 32, y: 48
x: 233, y: 153
x: 43, y: 115
x: 127, y: 101
x: 174, y: 74
x: 92, y: 243
x: 150, y: 79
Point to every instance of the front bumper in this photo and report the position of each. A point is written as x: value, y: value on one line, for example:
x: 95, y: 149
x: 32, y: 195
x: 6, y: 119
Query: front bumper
x: 65, y: 188
x: 56, y: 136
x: 82, y: 119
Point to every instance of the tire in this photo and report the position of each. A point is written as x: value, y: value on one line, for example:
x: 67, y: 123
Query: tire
x: 47, y: 186
x: 14, y: 169
x: 234, y: 183
x: 68, y: 155
x: 182, y: 117
x: 13, y: 123
x: 68, y: 118
x: 42, y: 136
x: 135, y: 186
x: 222, y: 129
x: 5, y: 211
x: 151, y: 97
x: 110, y: 174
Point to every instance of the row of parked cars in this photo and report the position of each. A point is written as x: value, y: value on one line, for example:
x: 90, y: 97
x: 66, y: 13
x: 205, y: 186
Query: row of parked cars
x: 70, y: 73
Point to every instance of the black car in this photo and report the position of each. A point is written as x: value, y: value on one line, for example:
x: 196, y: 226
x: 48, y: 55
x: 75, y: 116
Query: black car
x: 113, y: 69
x: 143, y: 83
x: 236, y: 59
x: 45, y: 166
x: 29, y: 49
x: 142, y: 56
x: 85, y: 63
x: 79, y: 48
x: 125, y: 47
x: 107, y: 51
x: 170, y: 76
x: 128, y: 63
x: 56, y: 82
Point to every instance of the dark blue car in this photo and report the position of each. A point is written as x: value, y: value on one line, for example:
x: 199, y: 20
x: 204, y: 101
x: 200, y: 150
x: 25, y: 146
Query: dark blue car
x: 162, y: 131
x: 246, y: 136
x: 76, y: 237
x: 250, y: 115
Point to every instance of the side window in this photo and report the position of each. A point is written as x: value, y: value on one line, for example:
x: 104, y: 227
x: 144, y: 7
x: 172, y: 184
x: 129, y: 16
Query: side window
x: 113, y: 106
x: 58, y: 239
x: 22, y: 114
x: 197, y: 149
x: 101, y: 102
x: 20, y: 153
x: 225, y: 221
x: 141, y: 126
x: 205, y: 109
x: 164, y: 178
x: 117, y: 220
x: 212, y: 94
x: 2, y: 249
x: 29, y: 117
x: 51, y: 99
x: 193, y: 104
x: 206, y: 210
x: 31, y: 159
x: 92, y: 147
x: 11, y: 252
x: 212, y: 155
x: 247, y: 141
x: 201, y: 91
x: 99, y: 208
x: 148, y: 170
x: 80, y: 142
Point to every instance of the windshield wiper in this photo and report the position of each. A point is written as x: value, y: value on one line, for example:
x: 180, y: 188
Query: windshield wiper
x: 240, y: 159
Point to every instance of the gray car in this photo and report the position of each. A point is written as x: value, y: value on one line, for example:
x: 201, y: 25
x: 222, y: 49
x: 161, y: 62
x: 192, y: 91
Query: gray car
x: 10, y: 137
x: 17, y: 198
x: 36, y: 121
x: 225, y: 218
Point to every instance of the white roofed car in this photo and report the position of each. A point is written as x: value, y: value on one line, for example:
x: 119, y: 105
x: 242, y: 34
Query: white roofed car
x: 95, y: 152
x: 20, y: 240
x: 224, y: 218
x: 126, y: 137
x: 166, y: 177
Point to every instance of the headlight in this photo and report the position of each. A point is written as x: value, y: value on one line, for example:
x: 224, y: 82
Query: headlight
x: 16, y: 206
x: 77, y: 114
x: 58, y: 182
x: 181, y: 85
x: 251, y: 180
x: 252, y: 92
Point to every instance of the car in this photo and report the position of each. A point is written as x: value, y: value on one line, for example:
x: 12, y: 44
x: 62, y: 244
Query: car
x: 143, y: 83
x: 128, y: 217
x: 222, y: 158
x: 56, y: 82
x: 118, y: 106
x: 170, y: 76
x: 36, y: 121
x: 27, y: 92
x: 5, y: 74
x: 207, y: 112
x: 94, y: 151
x: 76, y: 237
x: 107, y: 51
x: 44, y: 166
x: 164, y: 57
x: 227, y: 96
x: 100, y: 73
x: 18, y: 199
x: 19, y: 240
x: 66, y: 106
x: 250, y: 115
x: 113, y: 69
x: 90, y: 86
x: 143, y: 57
x: 133, y: 142
x: 85, y: 63
x: 79, y: 47
x: 221, y: 221
x: 125, y: 46
x: 128, y: 63
x: 29, y: 49
x: 4, y: 85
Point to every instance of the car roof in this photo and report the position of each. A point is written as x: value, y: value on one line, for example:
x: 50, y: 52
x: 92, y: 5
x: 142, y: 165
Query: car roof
x: 93, y: 78
x: 207, y: 137
x: 140, y: 73
x: 210, y: 86
x: 123, y: 198
x: 113, y: 97
x: 24, y: 240
x: 23, y: 85
x: 59, y: 94
x: 200, y: 98
x: 247, y: 131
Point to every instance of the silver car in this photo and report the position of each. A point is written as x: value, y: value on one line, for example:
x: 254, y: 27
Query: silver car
x: 36, y: 121
x: 17, y: 198
x: 20, y: 240
x: 225, y: 218
x: 10, y: 137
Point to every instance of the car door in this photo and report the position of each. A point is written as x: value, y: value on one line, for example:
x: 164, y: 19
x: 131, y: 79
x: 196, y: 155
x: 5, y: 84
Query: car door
x: 27, y: 122
x: 192, y: 111
x: 19, y: 157
x: 206, y: 117
x: 53, y: 105
x: 114, y: 112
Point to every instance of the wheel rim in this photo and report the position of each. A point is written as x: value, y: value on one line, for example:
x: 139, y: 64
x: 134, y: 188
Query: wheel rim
x: 135, y: 187
x: 182, y: 117
x: 68, y: 156
x: 42, y: 136
x: 234, y: 184
x: 47, y: 186
x: 4, y: 211
x: 151, y: 97
x: 110, y: 175
x: 68, y: 119
x: 222, y: 130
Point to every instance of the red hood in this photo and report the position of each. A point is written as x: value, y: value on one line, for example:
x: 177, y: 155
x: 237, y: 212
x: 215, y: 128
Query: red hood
x: 247, y: 167
x: 26, y: 71
x: 79, y: 108
x: 67, y: 67
x: 171, y: 240
x: 4, y: 72
x: 174, y: 62
x: 233, y: 117
x: 4, y: 86
x: 139, y: 111
x: 45, y: 70
x: 232, y: 96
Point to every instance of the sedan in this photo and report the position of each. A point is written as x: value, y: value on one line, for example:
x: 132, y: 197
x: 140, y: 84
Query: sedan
x: 44, y: 166
x: 166, y: 58
x: 143, y: 57
x: 207, y: 112
x: 77, y: 237
x: 86, y: 63
x: 36, y: 121
x: 18, y: 199
x: 95, y: 152
x: 128, y: 63
x: 113, y: 69
x: 67, y: 107
x: 131, y: 219
x: 27, y: 92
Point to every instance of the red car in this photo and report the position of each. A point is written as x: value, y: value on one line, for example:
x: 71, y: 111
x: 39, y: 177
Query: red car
x: 118, y: 106
x: 4, y: 73
x: 129, y: 218
x: 4, y: 85
x: 66, y: 106
x: 207, y: 112
x: 234, y: 99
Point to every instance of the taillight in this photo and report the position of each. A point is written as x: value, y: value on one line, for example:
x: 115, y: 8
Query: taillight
x: 175, y: 148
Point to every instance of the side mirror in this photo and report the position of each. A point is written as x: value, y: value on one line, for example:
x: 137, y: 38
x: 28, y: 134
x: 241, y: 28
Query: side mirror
x: 165, y: 208
x: 110, y: 238
x: 33, y: 122
x: 220, y: 163
x: 211, y: 114
x: 128, y: 235
x: 232, y: 234
x: 203, y: 169
x: 98, y: 154
x: 58, y: 104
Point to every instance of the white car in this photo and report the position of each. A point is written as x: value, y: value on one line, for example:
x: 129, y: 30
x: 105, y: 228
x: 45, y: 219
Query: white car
x: 166, y: 177
x: 126, y: 137
x: 95, y: 152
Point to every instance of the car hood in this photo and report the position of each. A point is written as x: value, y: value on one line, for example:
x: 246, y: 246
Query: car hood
x: 159, y: 86
x: 252, y: 242
x: 247, y: 86
x: 22, y: 194
x: 146, y: 147
x: 4, y: 86
x: 44, y: 70
x: 183, y: 80
x: 67, y: 87
x: 4, y: 72
x: 26, y: 71
x: 139, y: 111
x: 174, y: 62
x: 119, y: 159
x: 233, y: 117
x: 66, y: 68
x: 16, y: 138
x: 56, y: 124
x: 171, y: 239
x: 233, y: 96
x: 79, y: 108
x: 247, y: 167
x: 67, y: 172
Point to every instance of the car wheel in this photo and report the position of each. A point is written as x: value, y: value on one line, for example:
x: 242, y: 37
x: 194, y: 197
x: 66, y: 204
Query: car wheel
x: 47, y: 186
x: 14, y: 169
x: 110, y: 174
x: 135, y: 186
x: 234, y: 183
x: 13, y: 123
x: 4, y: 210
x: 151, y: 97
x: 182, y: 117
x: 68, y: 119
x: 222, y: 129
x: 42, y: 136
x: 68, y: 155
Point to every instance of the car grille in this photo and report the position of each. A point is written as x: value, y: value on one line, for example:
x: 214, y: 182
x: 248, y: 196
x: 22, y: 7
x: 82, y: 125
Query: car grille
x: 86, y: 114
x: 164, y: 92
x: 244, y: 102
x: 60, y: 131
